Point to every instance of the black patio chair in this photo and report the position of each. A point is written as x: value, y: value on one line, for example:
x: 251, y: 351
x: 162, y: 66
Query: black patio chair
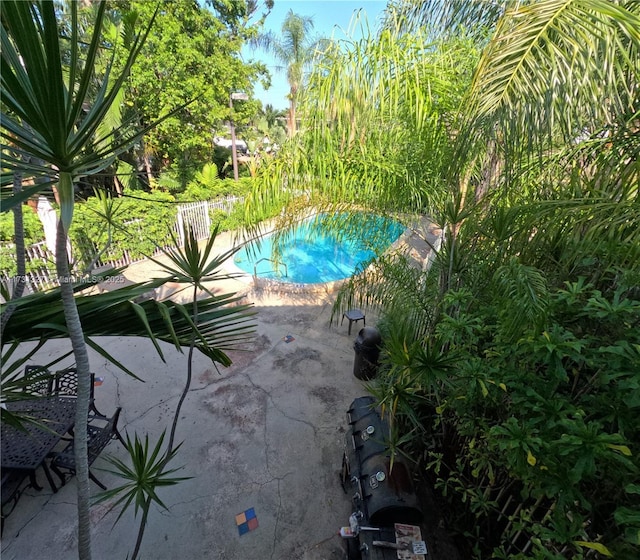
x: 38, y: 380
x: 65, y: 383
x: 100, y: 432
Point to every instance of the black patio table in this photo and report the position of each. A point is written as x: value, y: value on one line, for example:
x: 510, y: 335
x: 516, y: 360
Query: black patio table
x: 28, y: 450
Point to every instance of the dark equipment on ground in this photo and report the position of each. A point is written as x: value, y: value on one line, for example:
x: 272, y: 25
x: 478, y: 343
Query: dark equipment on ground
x: 367, y: 349
x: 382, y: 491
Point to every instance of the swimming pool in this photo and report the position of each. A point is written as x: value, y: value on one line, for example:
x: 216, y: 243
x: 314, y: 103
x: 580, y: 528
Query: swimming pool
x: 308, y: 255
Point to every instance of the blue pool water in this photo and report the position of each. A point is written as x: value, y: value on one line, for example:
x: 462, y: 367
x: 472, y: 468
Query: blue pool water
x: 309, y: 255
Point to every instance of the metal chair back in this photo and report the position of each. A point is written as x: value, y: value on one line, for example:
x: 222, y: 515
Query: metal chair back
x: 65, y: 383
x: 38, y: 380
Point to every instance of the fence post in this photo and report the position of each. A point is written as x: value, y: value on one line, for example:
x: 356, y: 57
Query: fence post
x: 180, y: 226
x: 207, y: 219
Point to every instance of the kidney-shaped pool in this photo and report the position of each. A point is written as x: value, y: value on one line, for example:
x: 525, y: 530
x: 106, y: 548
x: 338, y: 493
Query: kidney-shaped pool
x: 310, y: 254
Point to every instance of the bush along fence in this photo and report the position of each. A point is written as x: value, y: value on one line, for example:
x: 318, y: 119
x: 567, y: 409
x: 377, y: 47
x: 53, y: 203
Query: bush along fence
x: 134, y: 230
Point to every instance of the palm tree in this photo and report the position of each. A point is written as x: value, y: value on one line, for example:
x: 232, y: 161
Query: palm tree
x: 529, y: 165
x: 532, y: 100
x: 272, y: 115
x: 295, y: 49
x: 50, y: 121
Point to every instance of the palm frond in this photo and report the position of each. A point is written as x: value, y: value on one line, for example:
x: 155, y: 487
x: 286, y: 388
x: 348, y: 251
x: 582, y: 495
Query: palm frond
x: 396, y: 285
x: 548, y: 68
x: 525, y: 288
x: 446, y: 16
x: 224, y: 323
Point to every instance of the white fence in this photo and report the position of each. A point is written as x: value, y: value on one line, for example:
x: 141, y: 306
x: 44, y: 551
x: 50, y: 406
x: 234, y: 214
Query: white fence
x: 41, y: 269
x: 198, y: 215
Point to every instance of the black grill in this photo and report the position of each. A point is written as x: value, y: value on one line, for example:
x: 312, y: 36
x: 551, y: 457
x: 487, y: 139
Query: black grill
x: 382, y: 493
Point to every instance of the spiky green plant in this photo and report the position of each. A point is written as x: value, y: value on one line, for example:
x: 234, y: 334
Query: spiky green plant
x: 193, y: 266
x: 50, y: 122
x: 145, y: 476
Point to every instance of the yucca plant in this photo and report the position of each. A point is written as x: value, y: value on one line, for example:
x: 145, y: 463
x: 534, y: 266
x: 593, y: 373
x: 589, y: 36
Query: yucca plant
x: 50, y: 122
x: 219, y: 315
x: 215, y: 323
x: 144, y: 477
x: 193, y: 266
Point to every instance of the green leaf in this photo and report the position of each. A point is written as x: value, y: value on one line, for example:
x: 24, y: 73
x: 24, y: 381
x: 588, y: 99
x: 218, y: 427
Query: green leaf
x: 531, y: 459
x: 599, y: 547
x: 483, y: 387
x: 621, y: 448
x: 67, y: 199
x: 632, y: 535
x: 632, y: 488
x: 143, y: 477
x: 627, y: 516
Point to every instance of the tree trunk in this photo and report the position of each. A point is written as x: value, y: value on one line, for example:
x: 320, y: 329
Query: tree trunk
x: 292, y: 114
x: 21, y: 267
x: 76, y: 336
x: 147, y: 166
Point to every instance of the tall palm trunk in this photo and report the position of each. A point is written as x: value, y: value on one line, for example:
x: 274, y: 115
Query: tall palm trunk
x: 292, y: 115
x: 79, y: 347
x: 21, y: 268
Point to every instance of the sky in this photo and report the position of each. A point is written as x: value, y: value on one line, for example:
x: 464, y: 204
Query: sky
x: 330, y: 18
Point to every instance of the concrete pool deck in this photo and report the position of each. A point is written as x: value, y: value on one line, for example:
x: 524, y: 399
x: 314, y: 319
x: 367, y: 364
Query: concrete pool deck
x: 265, y: 434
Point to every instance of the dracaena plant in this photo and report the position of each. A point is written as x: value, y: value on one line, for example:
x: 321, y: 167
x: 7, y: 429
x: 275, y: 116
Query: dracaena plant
x: 195, y: 267
x: 142, y: 479
x: 51, y: 114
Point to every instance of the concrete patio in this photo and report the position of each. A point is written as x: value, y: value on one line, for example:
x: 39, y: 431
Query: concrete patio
x: 266, y: 433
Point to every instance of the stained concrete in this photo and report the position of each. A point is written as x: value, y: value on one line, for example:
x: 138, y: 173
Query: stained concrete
x: 267, y: 433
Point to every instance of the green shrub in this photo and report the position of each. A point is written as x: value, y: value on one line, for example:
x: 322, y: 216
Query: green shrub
x: 227, y: 222
x: 206, y: 185
x: 138, y: 226
x: 127, y: 227
x: 33, y: 231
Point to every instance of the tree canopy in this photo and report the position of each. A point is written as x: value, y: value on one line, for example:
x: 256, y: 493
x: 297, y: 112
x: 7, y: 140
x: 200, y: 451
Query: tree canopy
x: 191, y: 59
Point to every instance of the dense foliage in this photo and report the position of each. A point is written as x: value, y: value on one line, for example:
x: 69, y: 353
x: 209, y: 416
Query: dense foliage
x: 189, y: 64
x: 522, y: 402
x: 191, y: 56
x: 129, y: 228
x: 512, y: 357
